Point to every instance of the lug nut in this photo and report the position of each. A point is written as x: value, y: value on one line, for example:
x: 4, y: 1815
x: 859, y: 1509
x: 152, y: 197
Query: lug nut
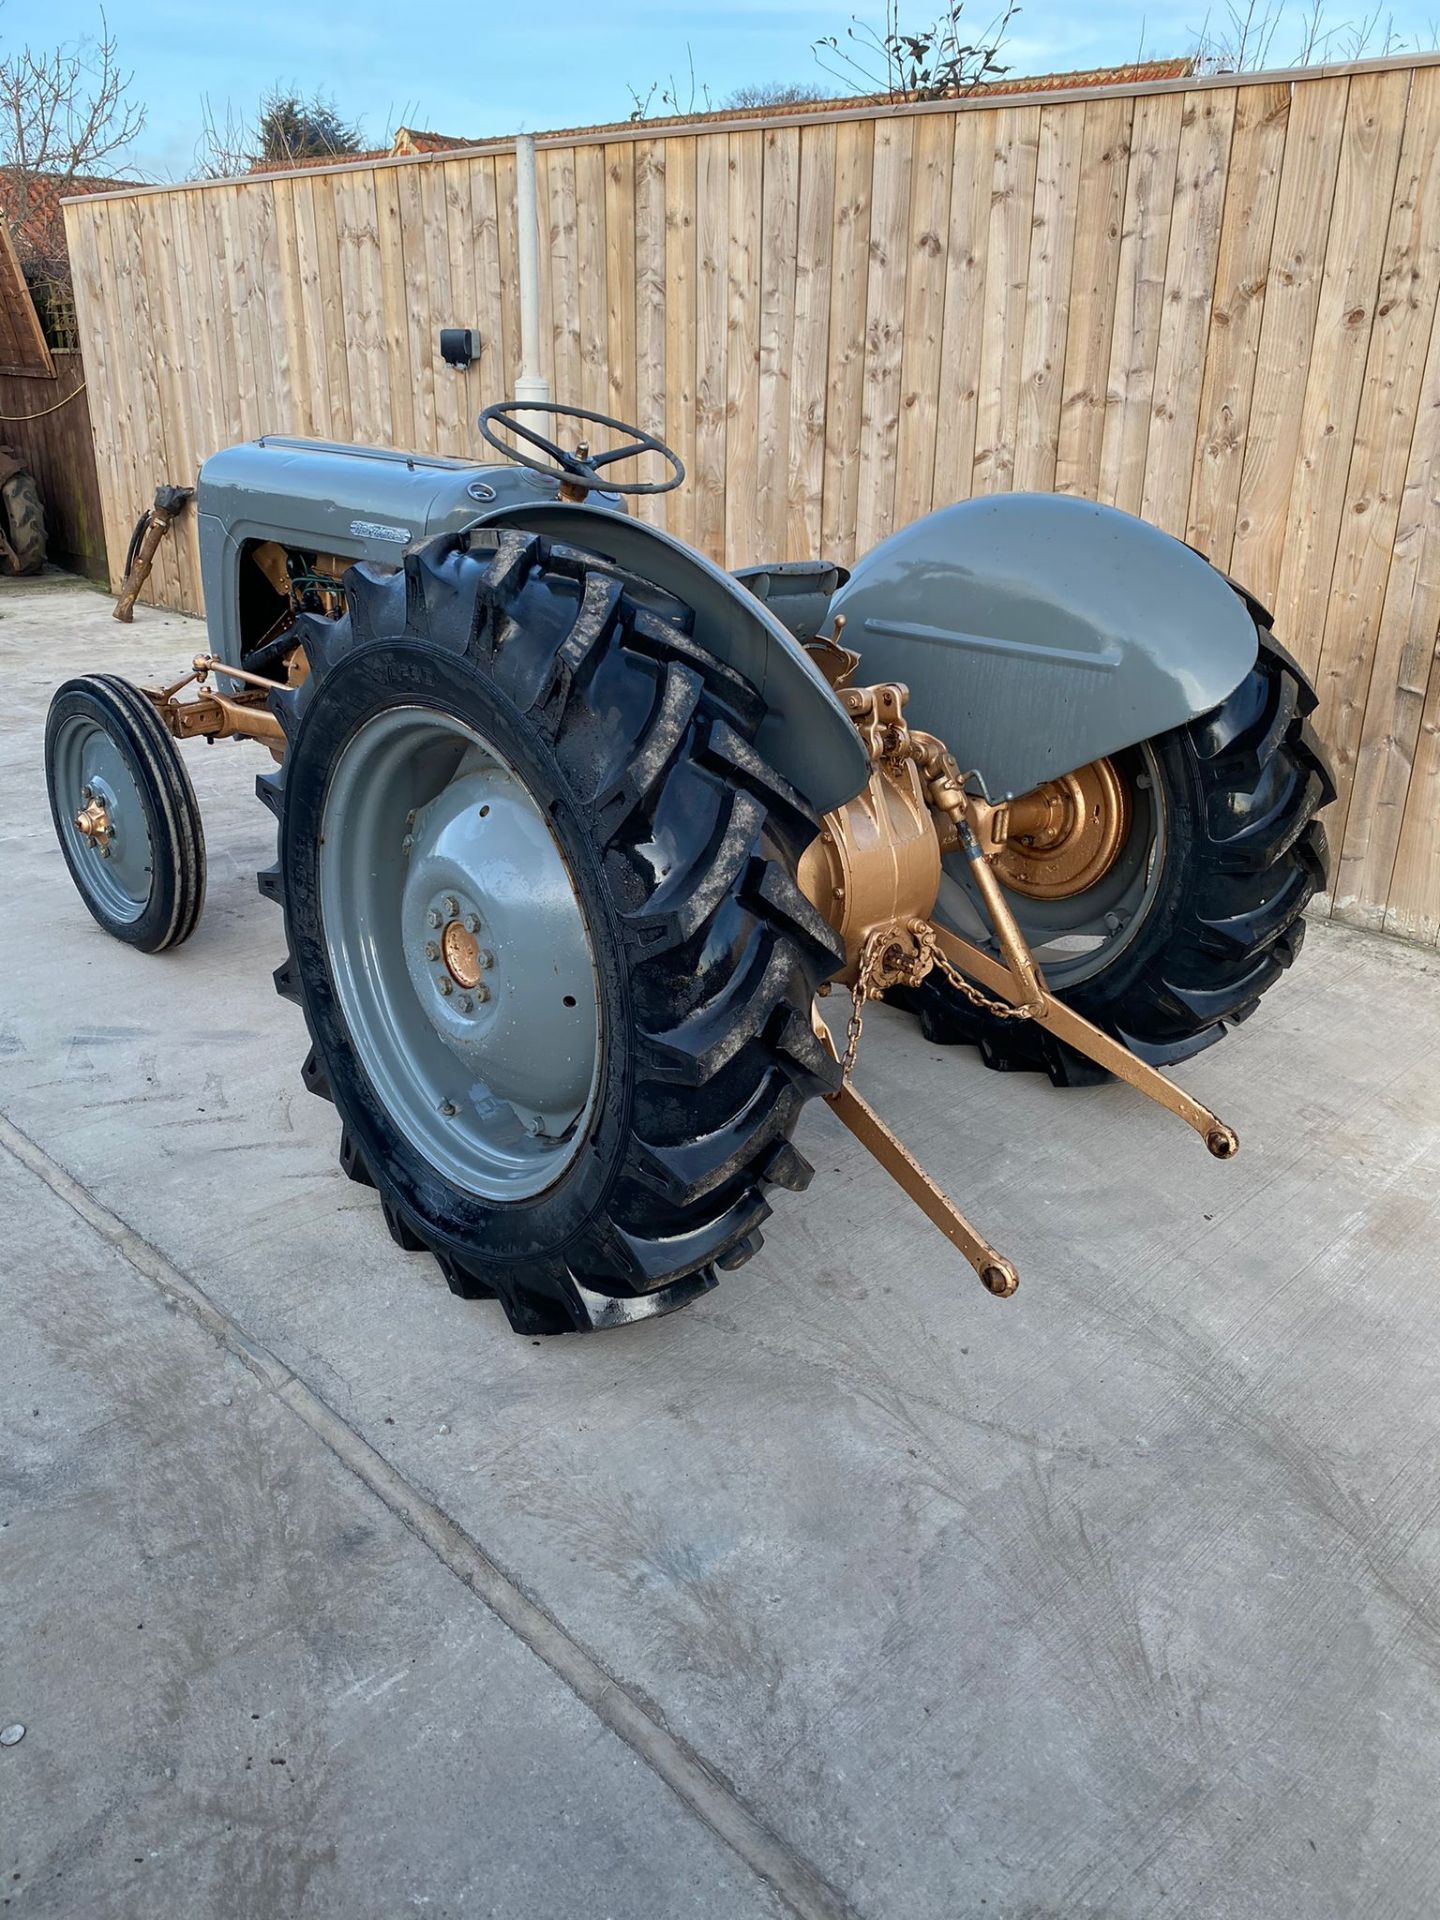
x: 446, y: 986
x: 472, y: 923
x: 434, y: 917
x: 432, y: 952
x: 463, y: 1003
x: 482, y: 994
x: 450, y: 906
x: 484, y: 958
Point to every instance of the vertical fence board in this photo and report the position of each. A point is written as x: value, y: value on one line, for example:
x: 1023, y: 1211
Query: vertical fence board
x: 1047, y: 301
x: 681, y: 326
x: 1139, y: 294
x: 649, y: 317
x: 1287, y: 332
x: 924, y: 320
x: 742, y: 350
x: 849, y: 272
x: 805, y: 494
x: 962, y: 338
x: 1247, y: 226
x: 884, y: 331
x: 712, y: 332
x: 779, y: 221
x: 1201, y: 167
x: 1384, y: 436
x: 1012, y: 203
x: 1104, y: 167
x: 1369, y: 153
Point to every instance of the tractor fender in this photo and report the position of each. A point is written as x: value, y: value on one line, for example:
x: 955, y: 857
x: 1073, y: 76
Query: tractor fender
x: 1037, y: 632
x: 806, y: 735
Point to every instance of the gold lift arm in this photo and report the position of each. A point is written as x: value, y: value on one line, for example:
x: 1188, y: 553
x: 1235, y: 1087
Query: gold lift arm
x: 874, y: 873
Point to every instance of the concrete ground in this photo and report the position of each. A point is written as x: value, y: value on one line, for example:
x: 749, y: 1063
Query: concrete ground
x: 848, y: 1591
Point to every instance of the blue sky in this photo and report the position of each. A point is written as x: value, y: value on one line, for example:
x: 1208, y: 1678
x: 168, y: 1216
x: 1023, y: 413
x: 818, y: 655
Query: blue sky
x: 485, y: 69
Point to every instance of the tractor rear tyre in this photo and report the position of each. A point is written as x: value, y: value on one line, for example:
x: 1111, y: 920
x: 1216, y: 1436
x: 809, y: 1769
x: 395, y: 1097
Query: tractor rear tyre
x: 1199, y: 914
x: 24, y: 515
x: 540, y: 900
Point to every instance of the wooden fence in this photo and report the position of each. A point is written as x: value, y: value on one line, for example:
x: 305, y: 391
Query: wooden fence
x: 1208, y: 302
x: 47, y: 421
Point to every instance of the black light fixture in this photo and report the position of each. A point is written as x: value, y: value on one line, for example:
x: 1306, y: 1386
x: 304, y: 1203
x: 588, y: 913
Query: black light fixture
x: 459, y: 346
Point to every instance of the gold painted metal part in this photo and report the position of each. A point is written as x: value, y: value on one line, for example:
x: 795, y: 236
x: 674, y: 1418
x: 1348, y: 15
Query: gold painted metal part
x: 996, y: 1273
x: 836, y: 663
x: 460, y: 951
x: 92, y: 822
x: 875, y: 861
x: 1071, y: 1027
x: 1066, y: 835
x: 220, y: 716
x: 874, y: 873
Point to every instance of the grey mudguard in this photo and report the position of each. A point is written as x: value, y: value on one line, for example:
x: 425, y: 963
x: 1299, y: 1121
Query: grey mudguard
x: 806, y: 735
x: 1037, y: 632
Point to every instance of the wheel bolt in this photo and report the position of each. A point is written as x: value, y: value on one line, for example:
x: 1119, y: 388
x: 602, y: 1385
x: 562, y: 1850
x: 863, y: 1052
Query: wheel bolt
x: 472, y: 923
x: 446, y: 986
x: 484, y: 958
x: 450, y: 906
x: 434, y: 917
x: 482, y: 994
x: 432, y: 952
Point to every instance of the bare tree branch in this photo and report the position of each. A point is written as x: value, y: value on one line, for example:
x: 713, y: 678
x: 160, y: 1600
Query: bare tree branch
x: 66, y: 115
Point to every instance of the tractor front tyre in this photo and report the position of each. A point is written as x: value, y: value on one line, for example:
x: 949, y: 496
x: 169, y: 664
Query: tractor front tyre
x: 125, y: 812
x: 539, y: 892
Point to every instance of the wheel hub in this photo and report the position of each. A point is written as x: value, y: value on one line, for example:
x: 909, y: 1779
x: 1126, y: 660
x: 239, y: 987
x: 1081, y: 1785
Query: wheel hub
x: 497, y: 949
x: 461, y: 951
x: 94, y: 824
x: 1066, y: 835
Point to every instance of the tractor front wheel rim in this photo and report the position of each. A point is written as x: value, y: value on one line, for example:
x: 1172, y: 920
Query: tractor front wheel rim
x: 460, y: 953
x: 102, y: 818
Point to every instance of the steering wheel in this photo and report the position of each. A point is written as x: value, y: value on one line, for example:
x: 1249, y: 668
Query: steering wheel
x: 577, y: 471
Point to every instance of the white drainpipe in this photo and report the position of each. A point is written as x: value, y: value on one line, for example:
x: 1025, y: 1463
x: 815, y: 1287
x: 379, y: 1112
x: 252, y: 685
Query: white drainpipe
x: 531, y: 384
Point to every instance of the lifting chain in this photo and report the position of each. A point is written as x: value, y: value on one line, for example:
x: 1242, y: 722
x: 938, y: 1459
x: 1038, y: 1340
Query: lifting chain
x: 901, y: 955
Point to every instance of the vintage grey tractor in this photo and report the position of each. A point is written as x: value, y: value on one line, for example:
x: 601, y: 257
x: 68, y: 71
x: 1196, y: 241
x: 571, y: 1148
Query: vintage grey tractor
x: 576, y: 831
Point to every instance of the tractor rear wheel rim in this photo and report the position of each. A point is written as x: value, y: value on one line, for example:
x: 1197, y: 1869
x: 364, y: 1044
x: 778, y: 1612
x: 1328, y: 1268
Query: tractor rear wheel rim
x: 93, y: 778
x: 460, y: 953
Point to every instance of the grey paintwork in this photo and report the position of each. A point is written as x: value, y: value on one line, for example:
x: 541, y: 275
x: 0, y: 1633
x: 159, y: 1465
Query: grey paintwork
x: 491, y: 1089
x: 1037, y: 632
x: 1034, y: 632
x: 372, y: 505
x: 363, y: 503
